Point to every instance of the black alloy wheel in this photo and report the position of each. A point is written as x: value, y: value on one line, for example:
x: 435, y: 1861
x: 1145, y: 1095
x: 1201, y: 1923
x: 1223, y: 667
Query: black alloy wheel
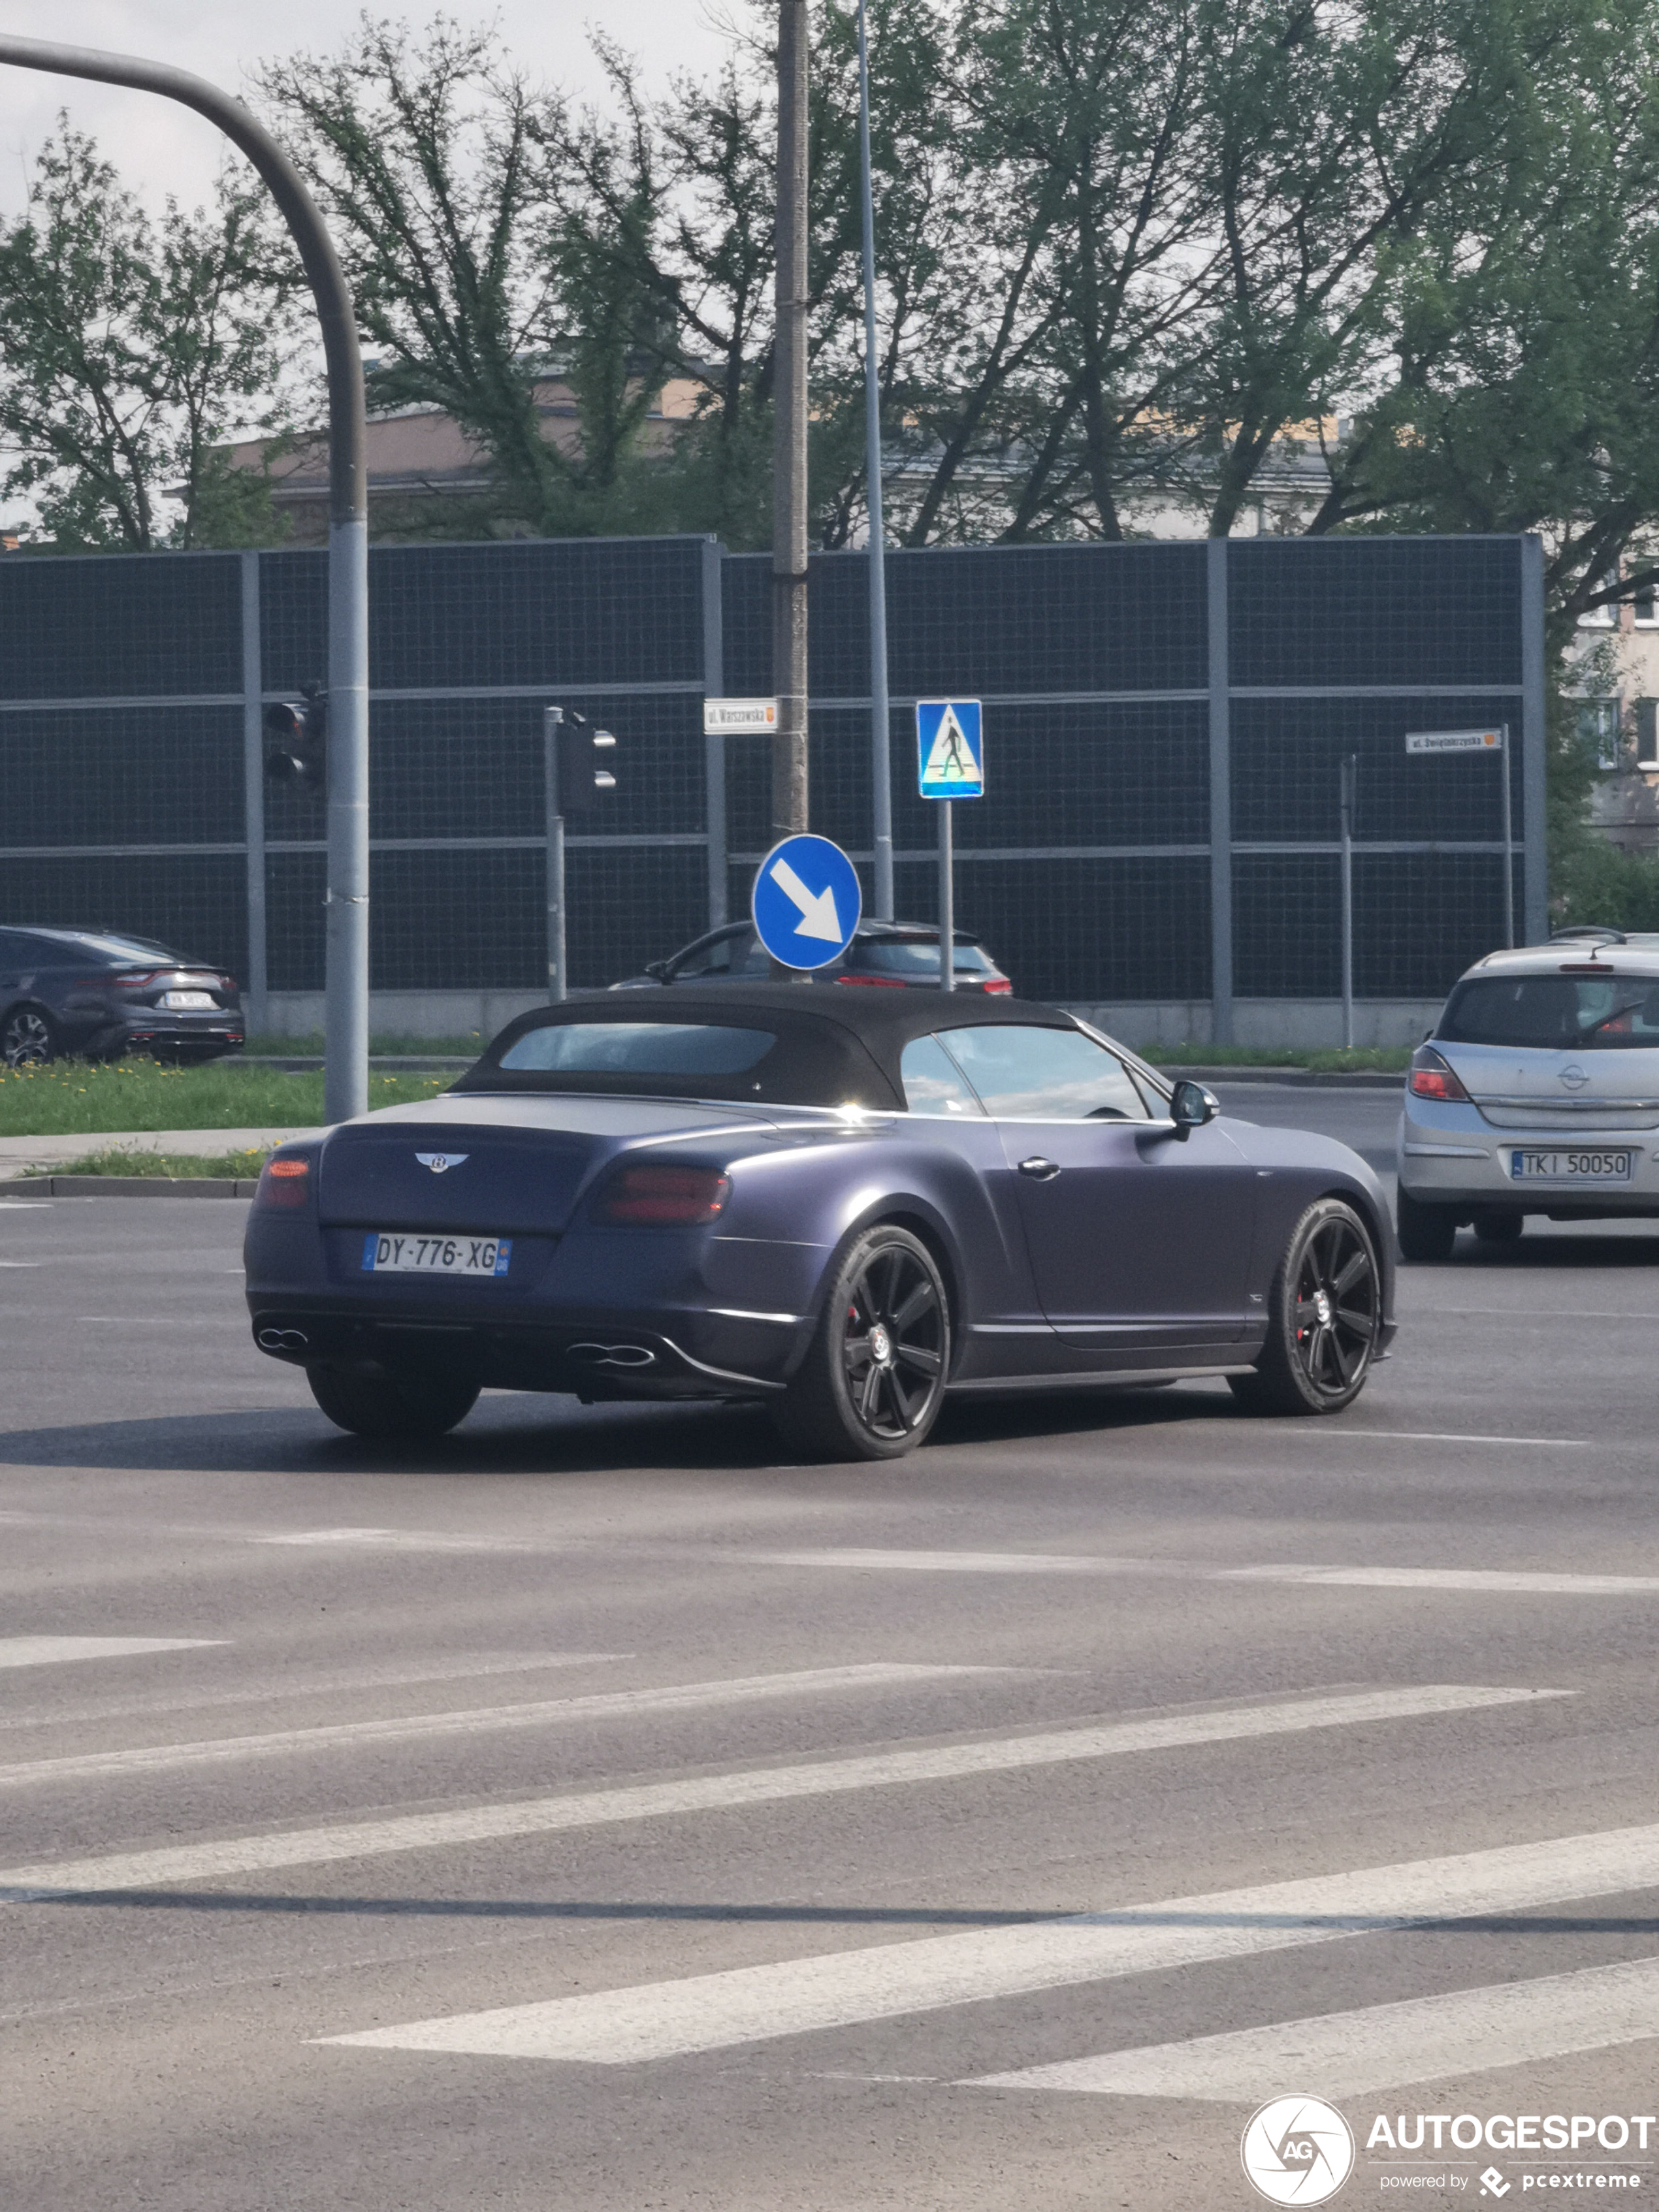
x: 1325, y: 1309
x: 873, y: 1378
x: 29, y: 1038
x: 388, y: 1407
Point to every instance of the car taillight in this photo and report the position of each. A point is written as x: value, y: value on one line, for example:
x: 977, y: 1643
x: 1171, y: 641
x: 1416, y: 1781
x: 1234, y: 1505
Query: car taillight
x: 1431, y: 1077
x: 879, y: 983
x: 999, y: 987
x: 284, y: 1182
x: 138, y: 982
x: 654, y: 1194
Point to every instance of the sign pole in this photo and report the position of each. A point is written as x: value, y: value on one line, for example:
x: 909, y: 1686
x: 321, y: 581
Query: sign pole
x: 1350, y: 779
x: 1509, y: 843
x: 947, y: 902
x: 550, y: 721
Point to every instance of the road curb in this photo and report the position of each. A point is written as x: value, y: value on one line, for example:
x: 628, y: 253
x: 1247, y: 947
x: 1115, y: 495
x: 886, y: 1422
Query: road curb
x: 94, y: 1185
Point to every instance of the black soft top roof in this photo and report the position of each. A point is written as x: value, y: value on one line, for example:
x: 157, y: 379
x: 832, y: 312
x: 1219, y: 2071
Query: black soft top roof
x: 837, y: 1047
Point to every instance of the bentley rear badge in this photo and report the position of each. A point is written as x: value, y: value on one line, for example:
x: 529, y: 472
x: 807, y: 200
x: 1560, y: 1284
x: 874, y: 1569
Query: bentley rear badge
x: 439, y: 1162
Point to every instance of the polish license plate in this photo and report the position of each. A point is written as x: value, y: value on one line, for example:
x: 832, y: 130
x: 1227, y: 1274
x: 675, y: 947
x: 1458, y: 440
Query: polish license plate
x: 188, y: 1002
x: 398, y: 1252
x: 1581, y: 1164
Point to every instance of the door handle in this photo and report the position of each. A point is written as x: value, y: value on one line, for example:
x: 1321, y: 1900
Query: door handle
x: 1038, y: 1168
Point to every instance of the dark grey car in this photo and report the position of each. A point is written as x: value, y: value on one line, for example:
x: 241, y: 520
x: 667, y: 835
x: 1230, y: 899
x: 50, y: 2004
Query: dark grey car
x: 100, y: 994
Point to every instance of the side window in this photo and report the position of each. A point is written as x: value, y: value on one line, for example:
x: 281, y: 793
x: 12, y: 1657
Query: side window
x: 1045, y: 1075
x: 933, y: 1083
x: 712, y: 960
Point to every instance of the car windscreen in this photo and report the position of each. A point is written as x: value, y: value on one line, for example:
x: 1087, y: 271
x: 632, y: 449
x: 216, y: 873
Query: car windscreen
x: 911, y: 955
x: 1555, y: 1014
x: 625, y: 1048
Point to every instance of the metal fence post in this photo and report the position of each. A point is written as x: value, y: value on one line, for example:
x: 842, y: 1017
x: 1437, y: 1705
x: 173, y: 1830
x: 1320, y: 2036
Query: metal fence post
x: 714, y: 748
x: 1350, y: 766
x: 551, y: 719
x: 258, y: 978
x: 1535, y: 877
x: 1221, y: 802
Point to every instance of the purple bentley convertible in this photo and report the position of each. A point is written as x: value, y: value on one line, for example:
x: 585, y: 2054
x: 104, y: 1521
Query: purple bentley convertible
x: 845, y: 1205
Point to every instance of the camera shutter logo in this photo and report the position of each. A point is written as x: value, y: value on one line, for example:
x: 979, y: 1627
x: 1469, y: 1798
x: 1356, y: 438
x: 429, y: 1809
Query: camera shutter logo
x: 1297, y: 2150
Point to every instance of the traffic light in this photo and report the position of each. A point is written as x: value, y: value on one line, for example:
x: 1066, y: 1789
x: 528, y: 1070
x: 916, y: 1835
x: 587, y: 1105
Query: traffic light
x: 296, y: 739
x: 585, y: 755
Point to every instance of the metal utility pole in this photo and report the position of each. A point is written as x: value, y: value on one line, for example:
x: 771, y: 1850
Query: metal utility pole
x: 1509, y: 841
x: 881, y: 772
x: 1350, y: 787
x: 551, y: 718
x: 789, y: 462
x: 345, y: 1084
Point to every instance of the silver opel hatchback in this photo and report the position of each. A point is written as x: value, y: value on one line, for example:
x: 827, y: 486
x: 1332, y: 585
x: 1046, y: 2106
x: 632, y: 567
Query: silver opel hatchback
x: 1537, y: 1092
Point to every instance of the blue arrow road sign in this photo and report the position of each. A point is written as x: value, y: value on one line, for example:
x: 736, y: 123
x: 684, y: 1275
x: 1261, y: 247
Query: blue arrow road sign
x: 950, y: 749
x: 806, y: 902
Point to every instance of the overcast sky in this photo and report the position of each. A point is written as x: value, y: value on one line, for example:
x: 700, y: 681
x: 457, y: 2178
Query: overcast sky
x: 162, y: 148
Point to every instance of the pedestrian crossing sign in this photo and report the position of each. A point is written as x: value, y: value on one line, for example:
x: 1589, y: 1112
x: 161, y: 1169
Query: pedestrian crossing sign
x: 950, y: 749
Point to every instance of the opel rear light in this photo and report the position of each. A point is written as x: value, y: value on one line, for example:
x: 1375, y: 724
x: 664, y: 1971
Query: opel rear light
x: 285, y: 1182
x: 999, y: 987
x: 876, y: 982
x: 652, y: 1193
x: 1433, y: 1077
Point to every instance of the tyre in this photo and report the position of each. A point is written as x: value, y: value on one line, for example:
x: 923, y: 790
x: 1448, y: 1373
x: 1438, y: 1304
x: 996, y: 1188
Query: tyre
x: 28, y: 1038
x: 391, y: 1405
x: 1427, y: 1233
x: 873, y: 1378
x: 1499, y: 1228
x: 1324, y: 1311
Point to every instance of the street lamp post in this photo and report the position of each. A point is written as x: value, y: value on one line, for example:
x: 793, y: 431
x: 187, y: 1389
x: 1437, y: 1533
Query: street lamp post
x: 345, y: 1086
x: 881, y: 773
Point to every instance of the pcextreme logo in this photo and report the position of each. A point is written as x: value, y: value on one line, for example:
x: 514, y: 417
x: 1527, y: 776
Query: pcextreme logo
x: 1297, y: 2150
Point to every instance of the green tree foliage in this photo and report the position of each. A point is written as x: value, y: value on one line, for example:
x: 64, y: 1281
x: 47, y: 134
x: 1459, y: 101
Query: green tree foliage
x: 128, y: 350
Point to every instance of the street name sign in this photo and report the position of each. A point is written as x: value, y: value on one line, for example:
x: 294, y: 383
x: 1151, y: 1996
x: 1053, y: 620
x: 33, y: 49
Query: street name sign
x: 1454, y: 741
x: 739, y: 718
x: 950, y: 749
x: 806, y: 902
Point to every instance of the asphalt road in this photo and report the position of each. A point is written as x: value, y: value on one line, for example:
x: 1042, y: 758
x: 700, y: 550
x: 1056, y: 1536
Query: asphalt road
x: 594, y: 1813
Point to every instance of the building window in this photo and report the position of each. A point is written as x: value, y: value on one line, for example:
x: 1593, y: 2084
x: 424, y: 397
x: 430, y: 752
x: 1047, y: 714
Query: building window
x: 1647, y: 733
x: 1598, y: 730
x: 1645, y: 606
x: 1604, y: 616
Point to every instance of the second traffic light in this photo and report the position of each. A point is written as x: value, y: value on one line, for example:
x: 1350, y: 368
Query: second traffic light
x: 586, y: 769
x: 296, y: 739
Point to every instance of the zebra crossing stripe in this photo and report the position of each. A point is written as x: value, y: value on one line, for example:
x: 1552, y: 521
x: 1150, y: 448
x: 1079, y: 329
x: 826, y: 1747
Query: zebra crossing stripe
x: 1348, y: 2054
x: 740, y: 1790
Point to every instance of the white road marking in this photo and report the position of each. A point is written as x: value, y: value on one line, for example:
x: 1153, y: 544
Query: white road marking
x: 845, y: 1989
x: 604, y: 1705
x: 51, y: 1650
x: 19, y: 1263
x: 1524, y: 1580
x: 406, y: 1539
x: 292, y: 1686
x: 1348, y: 2054
x: 740, y: 1790
x: 1332, y: 1435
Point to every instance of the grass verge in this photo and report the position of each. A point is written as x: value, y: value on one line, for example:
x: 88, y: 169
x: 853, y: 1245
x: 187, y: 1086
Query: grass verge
x: 393, y: 1047
x: 70, y: 1096
x: 131, y: 1160
x: 1364, y: 1060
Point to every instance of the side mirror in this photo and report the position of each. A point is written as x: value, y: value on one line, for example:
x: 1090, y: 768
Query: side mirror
x: 1191, y: 1106
x: 658, y: 970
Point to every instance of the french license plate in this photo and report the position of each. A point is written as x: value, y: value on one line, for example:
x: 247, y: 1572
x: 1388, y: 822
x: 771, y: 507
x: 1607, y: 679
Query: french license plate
x: 188, y: 1002
x: 397, y: 1252
x: 1579, y: 1165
